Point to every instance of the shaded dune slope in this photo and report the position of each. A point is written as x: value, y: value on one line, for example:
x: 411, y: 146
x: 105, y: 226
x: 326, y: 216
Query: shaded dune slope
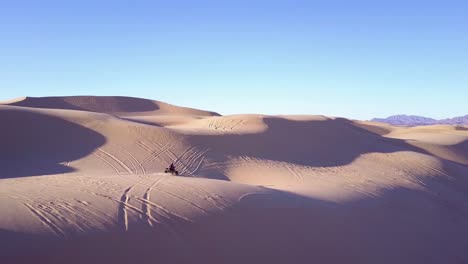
x: 316, y: 143
x: 38, y: 144
x: 57, y: 141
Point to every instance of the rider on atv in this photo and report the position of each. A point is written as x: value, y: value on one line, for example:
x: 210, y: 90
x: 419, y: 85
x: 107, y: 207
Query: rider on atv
x: 171, y: 169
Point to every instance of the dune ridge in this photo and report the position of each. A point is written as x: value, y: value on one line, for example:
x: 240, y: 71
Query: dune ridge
x: 118, y: 105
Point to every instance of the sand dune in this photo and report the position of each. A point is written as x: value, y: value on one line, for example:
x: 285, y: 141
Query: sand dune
x: 116, y: 105
x: 81, y: 182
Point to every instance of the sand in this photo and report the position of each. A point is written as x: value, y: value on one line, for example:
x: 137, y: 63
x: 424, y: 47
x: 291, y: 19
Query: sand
x: 81, y: 182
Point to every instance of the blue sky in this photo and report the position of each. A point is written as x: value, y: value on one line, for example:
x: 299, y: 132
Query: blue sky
x: 356, y: 59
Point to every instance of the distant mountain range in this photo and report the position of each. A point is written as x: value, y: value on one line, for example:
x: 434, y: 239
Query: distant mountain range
x: 411, y: 120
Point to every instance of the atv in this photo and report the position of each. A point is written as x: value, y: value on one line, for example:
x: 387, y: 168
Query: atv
x: 173, y: 172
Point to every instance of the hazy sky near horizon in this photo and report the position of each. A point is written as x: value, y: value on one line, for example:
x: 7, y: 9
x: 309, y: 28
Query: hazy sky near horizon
x: 356, y: 59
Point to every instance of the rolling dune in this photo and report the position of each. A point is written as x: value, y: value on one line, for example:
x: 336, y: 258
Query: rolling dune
x: 116, y: 105
x: 81, y: 182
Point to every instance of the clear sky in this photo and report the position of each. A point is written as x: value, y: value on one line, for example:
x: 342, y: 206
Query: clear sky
x: 352, y: 58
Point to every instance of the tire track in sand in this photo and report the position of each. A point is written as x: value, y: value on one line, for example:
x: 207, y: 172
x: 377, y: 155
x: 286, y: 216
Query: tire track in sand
x: 136, y: 161
x: 295, y: 174
x: 124, y: 203
x: 45, y: 220
x: 114, y: 158
x: 107, y: 162
x: 147, y: 197
x: 193, y: 161
x: 154, y: 154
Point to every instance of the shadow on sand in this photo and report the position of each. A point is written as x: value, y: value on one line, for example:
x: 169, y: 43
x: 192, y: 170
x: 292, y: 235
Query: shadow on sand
x: 400, y: 225
x: 326, y: 143
x: 38, y: 144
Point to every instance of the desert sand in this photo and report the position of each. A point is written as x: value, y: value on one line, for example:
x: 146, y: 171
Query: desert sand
x: 81, y: 181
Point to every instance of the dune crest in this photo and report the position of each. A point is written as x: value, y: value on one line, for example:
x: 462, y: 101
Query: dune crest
x: 107, y: 104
